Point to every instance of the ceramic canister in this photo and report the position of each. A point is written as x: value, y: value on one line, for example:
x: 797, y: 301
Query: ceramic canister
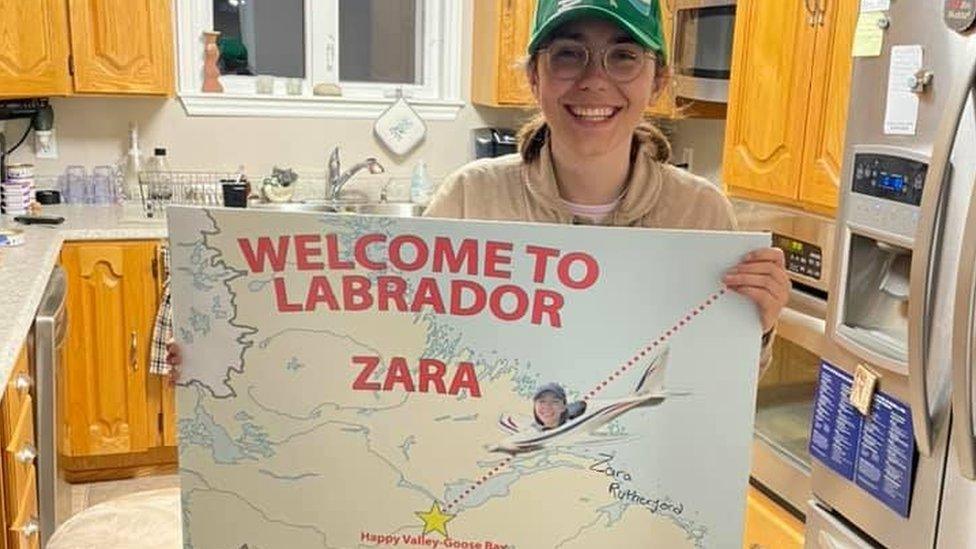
x: 20, y: 171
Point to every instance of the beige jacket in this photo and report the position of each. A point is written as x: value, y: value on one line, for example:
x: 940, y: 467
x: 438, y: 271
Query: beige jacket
x: 657, y: 195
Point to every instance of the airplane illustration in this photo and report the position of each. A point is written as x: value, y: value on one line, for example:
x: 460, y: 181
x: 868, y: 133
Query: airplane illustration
x: 527, y: 436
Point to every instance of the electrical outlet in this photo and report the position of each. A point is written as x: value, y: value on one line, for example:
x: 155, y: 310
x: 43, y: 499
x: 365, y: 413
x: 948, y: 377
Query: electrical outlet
x: 46, y: 148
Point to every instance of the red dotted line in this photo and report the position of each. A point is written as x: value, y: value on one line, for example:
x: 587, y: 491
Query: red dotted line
x: 494, y: 471
x: 664, y: 337
x: 640, y: 354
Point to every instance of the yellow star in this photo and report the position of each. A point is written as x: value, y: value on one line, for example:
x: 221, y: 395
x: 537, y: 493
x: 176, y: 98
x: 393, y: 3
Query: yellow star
x: 434, y: 520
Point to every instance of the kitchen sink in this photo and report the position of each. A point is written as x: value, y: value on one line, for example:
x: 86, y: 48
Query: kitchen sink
x: 296, y: 206
x: 391, y: 209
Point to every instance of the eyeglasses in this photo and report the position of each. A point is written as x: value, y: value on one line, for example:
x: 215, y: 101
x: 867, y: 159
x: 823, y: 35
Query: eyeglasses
x: 568, y: 60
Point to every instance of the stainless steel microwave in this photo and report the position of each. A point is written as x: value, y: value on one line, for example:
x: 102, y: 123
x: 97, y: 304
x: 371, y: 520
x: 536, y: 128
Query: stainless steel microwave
x: 702, y: 48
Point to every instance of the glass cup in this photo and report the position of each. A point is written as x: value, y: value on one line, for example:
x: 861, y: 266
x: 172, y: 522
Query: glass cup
x: 77, y: 186
x: 294, y: 86
x: 264, y: 84
x: 102, y: 185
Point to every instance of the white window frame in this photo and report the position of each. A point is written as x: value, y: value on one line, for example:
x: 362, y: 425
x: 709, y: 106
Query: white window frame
x: 438, y: 98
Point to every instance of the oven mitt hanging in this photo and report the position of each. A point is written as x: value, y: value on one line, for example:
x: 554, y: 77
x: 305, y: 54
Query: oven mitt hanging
x: 400, y: 128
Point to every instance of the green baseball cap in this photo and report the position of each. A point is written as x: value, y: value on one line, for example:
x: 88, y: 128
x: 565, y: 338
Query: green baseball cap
x: 640, y: 18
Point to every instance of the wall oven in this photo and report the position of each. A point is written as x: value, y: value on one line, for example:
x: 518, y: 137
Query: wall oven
x: 784, y: 403
x: 701, y: 50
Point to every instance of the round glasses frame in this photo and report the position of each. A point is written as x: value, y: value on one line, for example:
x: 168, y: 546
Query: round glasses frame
x: 604, y: 56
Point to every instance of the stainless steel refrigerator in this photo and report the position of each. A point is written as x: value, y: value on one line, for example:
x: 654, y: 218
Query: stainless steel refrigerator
x: 902, y: 475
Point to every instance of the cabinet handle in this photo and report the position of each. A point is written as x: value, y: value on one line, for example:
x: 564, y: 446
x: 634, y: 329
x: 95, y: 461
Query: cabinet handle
x: 26, y: 454
x: 811, y: 12
x: 30, y: 528
x: 23, y: 383
x: 134, y: 352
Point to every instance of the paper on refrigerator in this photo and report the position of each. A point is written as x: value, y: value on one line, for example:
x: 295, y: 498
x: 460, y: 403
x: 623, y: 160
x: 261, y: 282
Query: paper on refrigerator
x: 875, y: 5
x: 869, y: 35
x: 901, y: 112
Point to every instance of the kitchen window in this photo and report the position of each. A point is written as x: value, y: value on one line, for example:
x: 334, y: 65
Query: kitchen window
x: 371, y: 50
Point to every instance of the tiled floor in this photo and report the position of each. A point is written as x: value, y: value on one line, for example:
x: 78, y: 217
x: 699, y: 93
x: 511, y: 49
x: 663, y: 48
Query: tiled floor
x: 84, y: 496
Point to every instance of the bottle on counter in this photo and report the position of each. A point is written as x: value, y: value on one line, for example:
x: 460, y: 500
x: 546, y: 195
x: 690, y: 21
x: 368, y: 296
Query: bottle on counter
x: 421, y: 187
x: 132, y: 165
x: 157, y: 167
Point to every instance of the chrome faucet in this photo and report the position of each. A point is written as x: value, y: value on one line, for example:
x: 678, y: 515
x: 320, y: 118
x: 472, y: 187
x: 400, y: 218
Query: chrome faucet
x: 337, y: 178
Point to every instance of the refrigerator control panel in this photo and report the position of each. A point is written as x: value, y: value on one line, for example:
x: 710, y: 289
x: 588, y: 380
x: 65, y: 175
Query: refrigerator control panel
x: 801, y: 257
x: 890, y: 178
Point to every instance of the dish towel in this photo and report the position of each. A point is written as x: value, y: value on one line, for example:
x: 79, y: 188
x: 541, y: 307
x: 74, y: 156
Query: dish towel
x: 163, y: 326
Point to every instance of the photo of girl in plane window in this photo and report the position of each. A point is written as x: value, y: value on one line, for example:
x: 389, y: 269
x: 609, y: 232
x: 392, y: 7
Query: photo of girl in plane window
x: 550, y: 408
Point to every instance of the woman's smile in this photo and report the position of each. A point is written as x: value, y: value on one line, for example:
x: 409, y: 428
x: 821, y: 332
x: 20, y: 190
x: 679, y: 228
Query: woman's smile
x: 593, y: 115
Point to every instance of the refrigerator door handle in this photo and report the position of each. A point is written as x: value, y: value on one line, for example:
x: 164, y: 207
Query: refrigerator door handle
x: 926, y: 241
x: 963, y: 349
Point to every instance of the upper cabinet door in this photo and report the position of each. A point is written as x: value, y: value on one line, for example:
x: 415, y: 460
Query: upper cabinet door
x: 501, y: 37
x: 34, y: 48
x: 829, y: 98
x: 514, y: 26
x: 122, y: 46
x: 768, y: 94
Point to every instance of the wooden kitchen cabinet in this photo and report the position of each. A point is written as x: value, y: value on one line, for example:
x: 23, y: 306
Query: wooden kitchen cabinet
x: 112, y: 47
x: 122, y: 47
x: 788, y: 102
x: 769, y: 526
x: 501, y: 37
x: 34, y: 49
x: 768, y: 93
x: 112, y: 405
x: 823, y: 149
x: 24, y: 528
x: 18, y: 503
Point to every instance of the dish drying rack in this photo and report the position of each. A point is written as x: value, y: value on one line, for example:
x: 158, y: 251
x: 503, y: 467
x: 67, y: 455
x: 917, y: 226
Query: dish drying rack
x: 158, y: 190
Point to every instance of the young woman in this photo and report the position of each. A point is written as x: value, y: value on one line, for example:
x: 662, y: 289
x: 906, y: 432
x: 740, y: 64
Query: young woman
x: 594, y: 66
x: 589, y: 158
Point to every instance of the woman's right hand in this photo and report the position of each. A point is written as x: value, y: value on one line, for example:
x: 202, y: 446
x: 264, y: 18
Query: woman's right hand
x: 174, y: 358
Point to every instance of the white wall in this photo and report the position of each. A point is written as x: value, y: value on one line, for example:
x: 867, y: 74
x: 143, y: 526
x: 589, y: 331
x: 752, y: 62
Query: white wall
x: 93, y: 131
x: 705, y: 138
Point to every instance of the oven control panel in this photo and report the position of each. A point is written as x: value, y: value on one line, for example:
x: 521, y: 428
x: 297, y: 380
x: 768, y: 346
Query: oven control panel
x: 802, y: 257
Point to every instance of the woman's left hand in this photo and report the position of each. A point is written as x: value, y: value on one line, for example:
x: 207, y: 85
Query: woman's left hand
x: 761, y: 276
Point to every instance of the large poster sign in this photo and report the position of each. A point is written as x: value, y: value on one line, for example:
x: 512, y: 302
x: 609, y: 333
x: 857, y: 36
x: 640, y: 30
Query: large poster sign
x: 356, y: 381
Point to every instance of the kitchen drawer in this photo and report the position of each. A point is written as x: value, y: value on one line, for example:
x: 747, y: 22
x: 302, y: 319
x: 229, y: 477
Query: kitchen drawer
x: 19, y: 455
x: 24, y: 530
x: 18, y: 389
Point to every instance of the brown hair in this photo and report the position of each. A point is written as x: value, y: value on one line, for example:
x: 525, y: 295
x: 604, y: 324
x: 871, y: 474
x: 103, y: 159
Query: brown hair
x: 533, y: 134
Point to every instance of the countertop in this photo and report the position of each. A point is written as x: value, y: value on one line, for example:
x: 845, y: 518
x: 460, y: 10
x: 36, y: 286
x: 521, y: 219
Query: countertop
x: 24, y: 270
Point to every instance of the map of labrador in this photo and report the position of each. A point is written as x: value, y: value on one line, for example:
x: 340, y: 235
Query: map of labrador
x: 355, y: 381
